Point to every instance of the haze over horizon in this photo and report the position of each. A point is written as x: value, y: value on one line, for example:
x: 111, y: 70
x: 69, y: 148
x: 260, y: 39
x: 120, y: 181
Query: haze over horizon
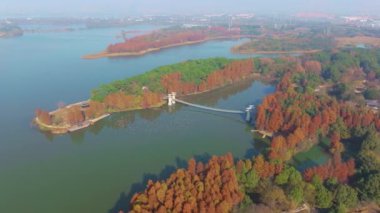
x: 145, y: 7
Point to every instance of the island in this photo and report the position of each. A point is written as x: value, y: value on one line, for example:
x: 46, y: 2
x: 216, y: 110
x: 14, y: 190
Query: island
x: 146, y: 91
x: 170, y: 37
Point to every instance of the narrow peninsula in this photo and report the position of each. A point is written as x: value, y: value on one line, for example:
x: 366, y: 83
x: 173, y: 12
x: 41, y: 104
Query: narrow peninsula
x: 169, y: 38
x: 146, y: 91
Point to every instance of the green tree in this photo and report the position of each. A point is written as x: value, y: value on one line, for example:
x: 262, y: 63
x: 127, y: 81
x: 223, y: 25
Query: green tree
x: 369, y: 162
x: 340, y: 126
x: 370, y: 188
x: 296, y: 194
x: 323, y: 198
x: 371, y: 141
x: 371, y: 94
x: 309, y: 192
x: 346, y: 196
x: 251, y: 180
x: 368, y: 62
x: 359, y: 132
x: 245, y: 203
x: 338, y: 209
x: 288, y: 176
x: 331, y: 183
x: 369, y: 151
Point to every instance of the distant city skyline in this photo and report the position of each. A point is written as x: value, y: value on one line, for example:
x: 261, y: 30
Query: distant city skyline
x: 120, y: 8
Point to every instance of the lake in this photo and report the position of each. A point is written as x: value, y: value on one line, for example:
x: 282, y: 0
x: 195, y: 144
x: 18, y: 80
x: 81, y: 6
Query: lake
x: 97, y: 169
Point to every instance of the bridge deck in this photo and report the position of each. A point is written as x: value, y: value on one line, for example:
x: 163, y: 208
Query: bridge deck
x: 210, y: 108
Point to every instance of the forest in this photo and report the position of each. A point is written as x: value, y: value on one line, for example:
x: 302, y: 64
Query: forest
x: 224, y: 185
x: 305, y: 110
x: 286, y: 44
x: 190, y: 77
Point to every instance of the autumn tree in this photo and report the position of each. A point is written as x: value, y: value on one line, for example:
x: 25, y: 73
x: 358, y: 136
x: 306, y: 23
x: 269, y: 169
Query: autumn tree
x: 275, y: 198
x: 332, y: 169
x: 313, y: 66
x: 75, y: 115
x: 213, y: 188
x: 43, y: 116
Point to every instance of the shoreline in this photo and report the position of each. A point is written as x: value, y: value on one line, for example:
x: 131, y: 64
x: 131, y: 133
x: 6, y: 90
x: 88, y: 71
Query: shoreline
x: 68, y: 128
x: 57, y: 130
x: 106, y: 54
x: 234, y: 50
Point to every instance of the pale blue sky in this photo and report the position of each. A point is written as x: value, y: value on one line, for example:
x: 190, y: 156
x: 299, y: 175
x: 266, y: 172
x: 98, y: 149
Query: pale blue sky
x: 133, y: 7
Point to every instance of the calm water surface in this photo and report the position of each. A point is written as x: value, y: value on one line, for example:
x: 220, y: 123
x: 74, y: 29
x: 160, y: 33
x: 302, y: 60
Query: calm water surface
x: 97, y: 169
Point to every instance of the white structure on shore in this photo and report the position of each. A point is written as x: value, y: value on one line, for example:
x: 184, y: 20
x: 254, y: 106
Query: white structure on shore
x: 171, y: 98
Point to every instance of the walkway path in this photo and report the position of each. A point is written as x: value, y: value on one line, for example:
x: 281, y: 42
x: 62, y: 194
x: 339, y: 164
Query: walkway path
x: 210, y: 108
x: 263, y: 132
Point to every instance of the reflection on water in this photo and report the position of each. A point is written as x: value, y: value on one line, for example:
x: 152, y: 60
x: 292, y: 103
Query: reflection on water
x: 317, y: 155
x: 122, y: 120
x: 212, y: 97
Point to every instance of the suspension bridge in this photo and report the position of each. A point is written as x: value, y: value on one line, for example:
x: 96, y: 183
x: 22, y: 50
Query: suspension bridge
x: 247, y: 112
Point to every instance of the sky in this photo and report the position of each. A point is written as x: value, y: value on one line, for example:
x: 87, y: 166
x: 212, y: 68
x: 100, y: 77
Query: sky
x: 188, y: 7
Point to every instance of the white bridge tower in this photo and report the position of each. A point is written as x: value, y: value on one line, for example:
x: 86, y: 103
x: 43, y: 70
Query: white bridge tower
x: 171, y: 98
x: 248, y: 112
